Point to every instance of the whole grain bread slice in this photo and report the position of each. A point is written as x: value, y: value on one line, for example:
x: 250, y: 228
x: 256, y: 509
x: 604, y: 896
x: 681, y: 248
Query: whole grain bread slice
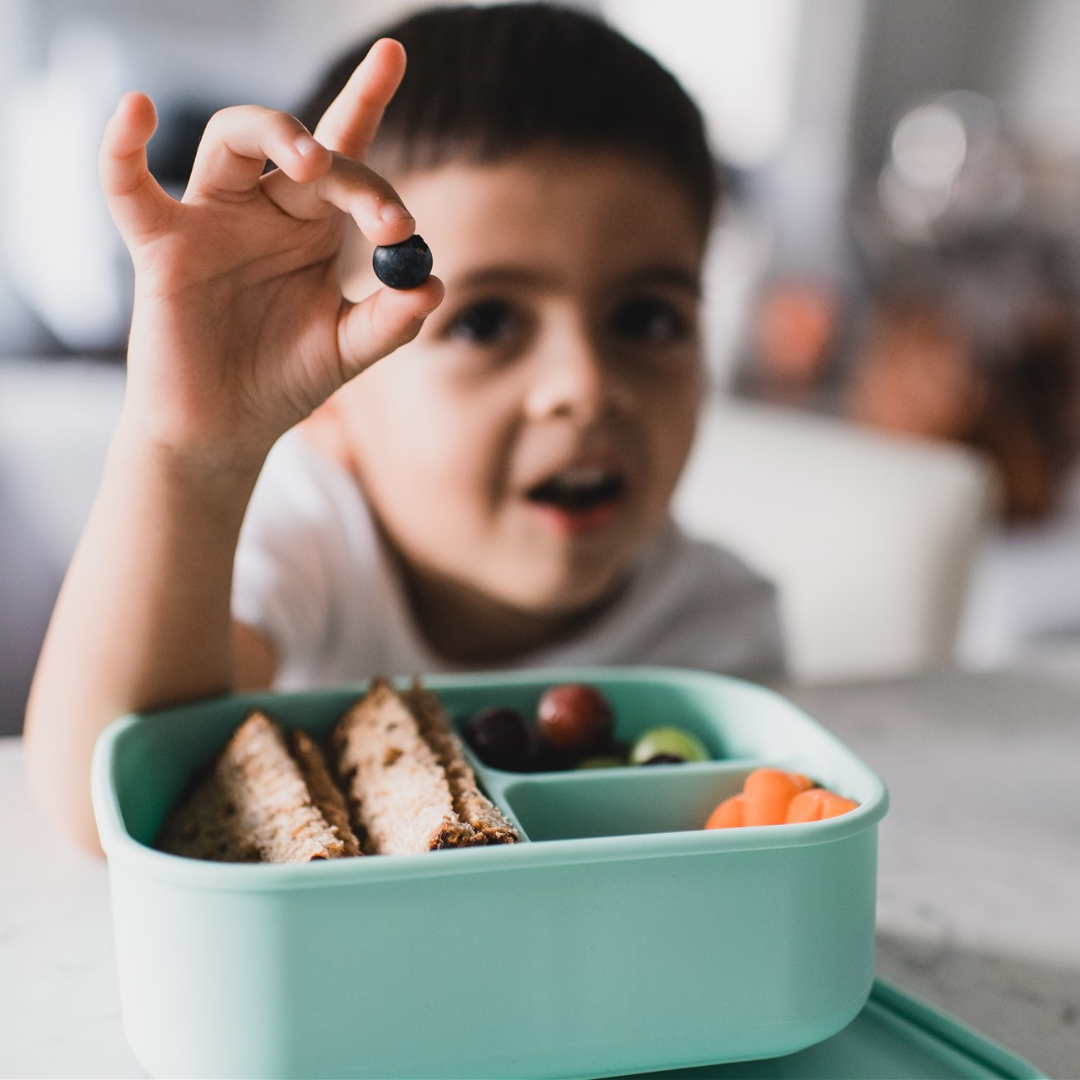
x: 255, y: 805
x: 470, y: 803
x: 399, y: 793
x: 204, y: 824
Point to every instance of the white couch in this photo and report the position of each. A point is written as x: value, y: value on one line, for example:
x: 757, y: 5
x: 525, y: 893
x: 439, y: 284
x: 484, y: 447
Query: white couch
x: 870, y: 538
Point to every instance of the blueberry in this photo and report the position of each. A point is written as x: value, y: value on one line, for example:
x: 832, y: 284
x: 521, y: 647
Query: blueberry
x: 404, y: 265
x: 501, y: 739
x: 665, y: 759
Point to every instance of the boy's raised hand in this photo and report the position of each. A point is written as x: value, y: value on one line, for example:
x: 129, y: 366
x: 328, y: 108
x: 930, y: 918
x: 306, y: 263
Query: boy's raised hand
x: 239, y: 328
x: 239, y: 331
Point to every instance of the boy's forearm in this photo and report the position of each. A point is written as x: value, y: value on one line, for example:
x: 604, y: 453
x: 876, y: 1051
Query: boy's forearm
x: 143, y: 618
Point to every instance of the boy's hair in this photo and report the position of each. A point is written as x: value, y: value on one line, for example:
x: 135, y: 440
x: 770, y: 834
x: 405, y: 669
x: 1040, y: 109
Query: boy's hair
x: 488, y: 82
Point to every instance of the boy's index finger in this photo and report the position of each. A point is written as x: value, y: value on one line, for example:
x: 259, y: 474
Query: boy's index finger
x: 350, y: 123
x: 237, y: 144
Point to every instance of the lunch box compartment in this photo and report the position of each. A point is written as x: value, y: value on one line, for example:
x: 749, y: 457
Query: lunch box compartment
x: 620, y: 801
x: 619, y: 938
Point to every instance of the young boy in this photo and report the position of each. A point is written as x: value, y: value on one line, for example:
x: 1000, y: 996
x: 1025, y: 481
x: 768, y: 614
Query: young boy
x: 493, y: 494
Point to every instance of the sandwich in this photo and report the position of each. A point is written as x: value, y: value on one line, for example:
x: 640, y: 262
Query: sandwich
x: 399, y: 783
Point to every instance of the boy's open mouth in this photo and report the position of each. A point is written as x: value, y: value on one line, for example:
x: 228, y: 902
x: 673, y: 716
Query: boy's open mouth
x: 578, y: 490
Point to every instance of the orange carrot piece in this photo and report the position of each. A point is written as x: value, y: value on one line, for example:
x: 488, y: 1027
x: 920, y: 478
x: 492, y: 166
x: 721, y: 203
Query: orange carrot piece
x: 806, y: 806
x: 768, y: 793
x: 803, y: 783
x: 816, y: 805
x: 728, y: 814
x: 834, y: 805
x: 776, y: 797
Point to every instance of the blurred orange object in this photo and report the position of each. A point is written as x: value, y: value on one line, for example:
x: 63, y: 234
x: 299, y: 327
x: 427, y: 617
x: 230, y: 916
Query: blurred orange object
x: 795, y: 327
x: 917, y: 374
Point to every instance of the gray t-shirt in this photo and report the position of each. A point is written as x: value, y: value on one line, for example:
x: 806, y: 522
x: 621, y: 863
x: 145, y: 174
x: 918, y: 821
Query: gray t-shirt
x: 313, y: 576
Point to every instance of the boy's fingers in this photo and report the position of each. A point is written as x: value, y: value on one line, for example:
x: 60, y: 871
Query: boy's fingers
x: 239, y: 141
x: 382, y: 322
x: 136, y: 201
x: 350, y: 123
x: 352, y: 188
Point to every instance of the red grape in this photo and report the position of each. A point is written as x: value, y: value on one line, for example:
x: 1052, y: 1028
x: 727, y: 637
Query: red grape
x: 575, y: 719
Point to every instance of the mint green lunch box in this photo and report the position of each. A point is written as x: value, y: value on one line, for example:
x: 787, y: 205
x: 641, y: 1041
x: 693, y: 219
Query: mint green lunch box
x: 618, y: 937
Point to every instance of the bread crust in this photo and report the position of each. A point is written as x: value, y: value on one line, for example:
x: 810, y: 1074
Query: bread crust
x: 325, y: 794
x: 469, y: 802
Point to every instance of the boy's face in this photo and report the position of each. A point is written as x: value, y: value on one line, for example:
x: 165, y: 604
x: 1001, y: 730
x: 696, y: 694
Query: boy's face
x: 527, y: 443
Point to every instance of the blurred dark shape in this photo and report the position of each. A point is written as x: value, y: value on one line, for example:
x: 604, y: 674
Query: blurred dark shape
x: 914, y: 371
x: 971, y: 327
x: 988, y: 359
x: 1030, y: 425
x: 965, y: 322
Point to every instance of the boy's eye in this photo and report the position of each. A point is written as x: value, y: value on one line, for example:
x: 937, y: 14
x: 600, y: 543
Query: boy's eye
x: 650, y: 321
x: 487, y: 323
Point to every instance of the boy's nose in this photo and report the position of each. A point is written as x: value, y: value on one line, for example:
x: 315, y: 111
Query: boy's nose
x: 571, y: 380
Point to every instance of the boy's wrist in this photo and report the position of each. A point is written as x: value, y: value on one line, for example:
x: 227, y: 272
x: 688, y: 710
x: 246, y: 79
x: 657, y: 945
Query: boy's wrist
x: 226, y: 466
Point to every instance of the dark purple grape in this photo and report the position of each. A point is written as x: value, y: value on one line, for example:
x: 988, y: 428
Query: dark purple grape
x: 501, y: 739
x: 575, y: 719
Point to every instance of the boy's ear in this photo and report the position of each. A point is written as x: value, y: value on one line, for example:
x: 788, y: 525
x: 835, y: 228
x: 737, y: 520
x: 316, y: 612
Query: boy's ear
x: 324, y: 431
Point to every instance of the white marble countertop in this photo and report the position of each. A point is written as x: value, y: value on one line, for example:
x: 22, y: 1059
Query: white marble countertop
x: 979, y: 854
x: 979, y: 880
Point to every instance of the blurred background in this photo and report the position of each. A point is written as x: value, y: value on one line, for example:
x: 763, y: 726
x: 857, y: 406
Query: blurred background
x: 897, y: 260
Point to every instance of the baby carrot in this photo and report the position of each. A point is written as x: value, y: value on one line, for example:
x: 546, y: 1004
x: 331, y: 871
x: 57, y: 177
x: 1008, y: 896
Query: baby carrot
x: 729, y: 814
x: 835, y: 805
x: 777, y: 797
x: 806, y: 806
x: 768, y: 793
x: 816, y: 805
